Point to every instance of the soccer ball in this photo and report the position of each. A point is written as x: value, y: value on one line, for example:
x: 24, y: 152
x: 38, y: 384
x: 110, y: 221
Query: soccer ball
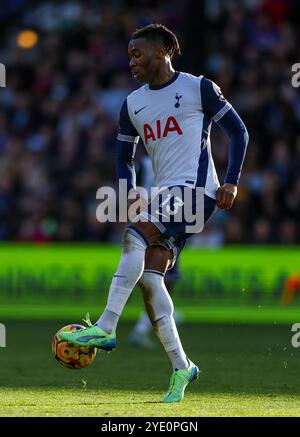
x: 69, y: 355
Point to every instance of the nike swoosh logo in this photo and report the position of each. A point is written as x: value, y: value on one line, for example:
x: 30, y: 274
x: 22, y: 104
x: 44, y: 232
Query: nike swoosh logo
x: 139, y: 110
x: 86, y: 338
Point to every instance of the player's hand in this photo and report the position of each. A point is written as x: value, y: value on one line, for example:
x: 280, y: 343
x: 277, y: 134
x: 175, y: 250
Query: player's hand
x: 226, y: 195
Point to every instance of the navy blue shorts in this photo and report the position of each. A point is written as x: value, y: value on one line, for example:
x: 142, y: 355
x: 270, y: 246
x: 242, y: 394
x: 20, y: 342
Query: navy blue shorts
x: 173, y: 227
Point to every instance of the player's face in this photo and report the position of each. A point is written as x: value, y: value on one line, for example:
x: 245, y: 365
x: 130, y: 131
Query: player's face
x: 145, y: 60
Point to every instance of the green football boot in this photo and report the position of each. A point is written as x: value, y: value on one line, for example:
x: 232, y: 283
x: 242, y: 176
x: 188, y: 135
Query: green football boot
x: 178, y: 382
x: 93, y: 336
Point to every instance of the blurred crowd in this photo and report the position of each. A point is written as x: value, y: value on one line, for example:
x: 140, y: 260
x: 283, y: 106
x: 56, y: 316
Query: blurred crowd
x: 59, y: 112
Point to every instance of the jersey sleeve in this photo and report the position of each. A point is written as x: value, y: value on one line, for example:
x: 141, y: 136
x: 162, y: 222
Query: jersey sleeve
x: 127, y: 132
x: 127, y: 140
x: 213, y: 102
x: 236, y: 130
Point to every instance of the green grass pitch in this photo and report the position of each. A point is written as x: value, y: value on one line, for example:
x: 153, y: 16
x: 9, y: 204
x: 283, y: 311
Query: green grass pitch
x: 247, y: 370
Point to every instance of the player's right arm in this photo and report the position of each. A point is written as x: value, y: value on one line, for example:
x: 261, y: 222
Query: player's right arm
x: 127, y: 140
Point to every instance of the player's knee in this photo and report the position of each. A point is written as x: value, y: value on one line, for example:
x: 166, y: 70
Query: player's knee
x: 158, y: 258
x: 132, y: 240
x: 131, y: 264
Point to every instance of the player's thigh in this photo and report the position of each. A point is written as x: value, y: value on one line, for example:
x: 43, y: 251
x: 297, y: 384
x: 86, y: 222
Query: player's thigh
x: 158, y: 258
x: 148, y: 230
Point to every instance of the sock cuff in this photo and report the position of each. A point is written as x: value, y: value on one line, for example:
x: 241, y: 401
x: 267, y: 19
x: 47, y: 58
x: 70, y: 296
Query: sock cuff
x: 156, y: 272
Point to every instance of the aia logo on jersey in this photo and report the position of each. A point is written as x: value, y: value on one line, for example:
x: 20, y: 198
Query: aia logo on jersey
x: 161, y: 130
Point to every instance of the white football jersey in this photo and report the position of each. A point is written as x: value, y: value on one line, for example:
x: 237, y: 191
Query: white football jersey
x: 174, y: 122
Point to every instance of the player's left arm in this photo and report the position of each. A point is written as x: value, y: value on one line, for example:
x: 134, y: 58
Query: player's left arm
x: 220, y: 110
x: 232, y: 124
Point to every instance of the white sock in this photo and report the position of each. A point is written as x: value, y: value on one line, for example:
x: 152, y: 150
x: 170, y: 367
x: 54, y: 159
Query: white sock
x: 168, y: 335
x: 161, y: 310
x: 129, y: 271
x: 108, y: 321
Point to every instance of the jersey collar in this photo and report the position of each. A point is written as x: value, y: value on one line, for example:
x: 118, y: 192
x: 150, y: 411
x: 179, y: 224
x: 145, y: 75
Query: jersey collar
x: 159, y: 87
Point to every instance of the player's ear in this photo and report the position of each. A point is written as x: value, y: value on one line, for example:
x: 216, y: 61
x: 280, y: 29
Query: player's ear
x: 161, y: 52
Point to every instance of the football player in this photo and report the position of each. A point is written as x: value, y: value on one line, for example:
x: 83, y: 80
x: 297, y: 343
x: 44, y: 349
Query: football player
x: 172, y: 113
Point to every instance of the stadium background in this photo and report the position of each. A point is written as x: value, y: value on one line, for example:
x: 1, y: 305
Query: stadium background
x: 65, y: 83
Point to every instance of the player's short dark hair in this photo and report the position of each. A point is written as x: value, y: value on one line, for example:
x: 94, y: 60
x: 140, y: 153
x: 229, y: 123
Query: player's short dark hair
x: 159, y: 32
